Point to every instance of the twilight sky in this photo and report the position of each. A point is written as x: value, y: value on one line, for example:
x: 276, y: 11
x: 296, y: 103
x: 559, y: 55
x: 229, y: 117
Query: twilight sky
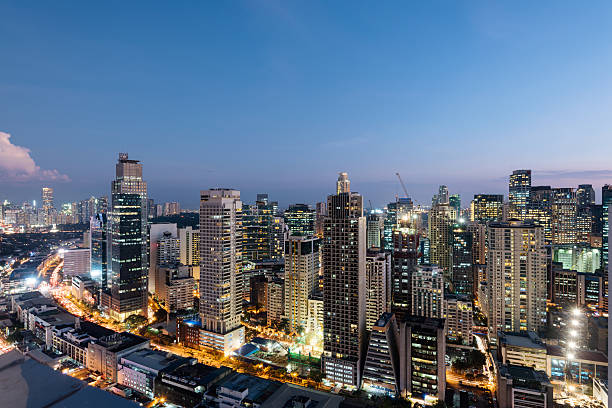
x: 278, y: 96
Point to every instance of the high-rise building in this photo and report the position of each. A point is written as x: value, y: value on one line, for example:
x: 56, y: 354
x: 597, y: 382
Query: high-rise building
x: 423, y: 369
x: 344, y: 253
x: 221, y: 269
x: 343, y: 185
x: 441, y: 218
x: 263, y: 230
x: 128, y: 256
x: 517, y: 272
x: 378, y: 286
x: 442, y: 196
x: 98, y: 244
x: 540, y: 210
x: 301, y: 277
x: 564, y: 216
x: 458, y: 313
x: 487, y: 208
x: 275, y: 303
x: 160, y: 253
x: 519, y: 193
x: 381, y: 373
x: 77, y: 262
x: 585, y: 195
x: 300, y: 219
x: 454, y: 201
x: 321, y: 212
x: 606, y: 200
x: 189, y: 246
x: 462, y: 273
x: 374, y: 230
x: 403, y: 262
x: 47, y: 204
x: 428, y: 291
x: 172, y: 208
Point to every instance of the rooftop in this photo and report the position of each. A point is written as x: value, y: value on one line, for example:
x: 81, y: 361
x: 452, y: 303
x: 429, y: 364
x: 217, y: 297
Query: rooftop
x: 27, y: 383
x: 120, y: 341
x: 154, y: 359
x: 259, y: 389
x: 287, y: 396
x: 526, y: 340
x: 424, y: 321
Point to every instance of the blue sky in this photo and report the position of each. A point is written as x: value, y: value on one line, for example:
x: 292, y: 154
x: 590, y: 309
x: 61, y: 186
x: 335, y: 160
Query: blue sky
x: 278, y: 96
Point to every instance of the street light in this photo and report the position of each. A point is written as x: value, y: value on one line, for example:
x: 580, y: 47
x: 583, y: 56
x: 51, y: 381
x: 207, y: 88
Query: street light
x: 576, y: 312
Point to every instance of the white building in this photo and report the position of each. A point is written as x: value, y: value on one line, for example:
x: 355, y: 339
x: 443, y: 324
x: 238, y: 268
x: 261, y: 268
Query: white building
x: 157, y: 232
x: 189, y: 246
x: 301, y: 272
x: 378, y: 287
x: 428, y: 291
x: 458, y: 313
x: 76, y: 262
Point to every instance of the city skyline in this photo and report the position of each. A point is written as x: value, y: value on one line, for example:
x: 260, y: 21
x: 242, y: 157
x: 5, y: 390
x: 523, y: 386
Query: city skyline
x: 459, y: 95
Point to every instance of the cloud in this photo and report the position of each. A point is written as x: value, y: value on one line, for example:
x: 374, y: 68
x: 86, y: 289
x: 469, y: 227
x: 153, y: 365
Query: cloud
x: 16, y: 164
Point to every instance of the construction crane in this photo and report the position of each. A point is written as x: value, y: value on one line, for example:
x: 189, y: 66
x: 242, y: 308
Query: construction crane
x: 371, y: 209
x: 402, y: 183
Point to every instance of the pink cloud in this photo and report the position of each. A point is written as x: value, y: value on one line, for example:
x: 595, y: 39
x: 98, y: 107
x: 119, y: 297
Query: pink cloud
x: 16, y: 164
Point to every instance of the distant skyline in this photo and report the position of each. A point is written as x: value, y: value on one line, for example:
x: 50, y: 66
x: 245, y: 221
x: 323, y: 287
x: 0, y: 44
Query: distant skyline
x: 277, y: 97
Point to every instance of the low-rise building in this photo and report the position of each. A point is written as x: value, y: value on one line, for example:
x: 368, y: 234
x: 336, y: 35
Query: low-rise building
x: 73, y: 339
x: 522, y: 349
x: 104, y: 354
x: 241, y: 390
x: 523, y: 387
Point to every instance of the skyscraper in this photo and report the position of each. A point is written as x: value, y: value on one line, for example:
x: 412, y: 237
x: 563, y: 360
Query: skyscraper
x: 344, y: 302
x: 564, y: 216
x: 454, y: 201
x: 378, y: 286
x: 606, y: 201
x: 128, y: 242
x: 221, y: 269
x: 462, y: 274
x: 585, y: 195
x: 516, y: 269
x: 98, y: 243
x: 428, y: 291
x: 262, y: 230
x: 539, y: 209
x: 405, y: 258
x: 301, y: 273
x: 47, y: 204
x: 300, y: 219
x: 343, y: 185
x: 189, y: 246
x: 441, y: 218
x: 487, y: 208
x: 519, y: 193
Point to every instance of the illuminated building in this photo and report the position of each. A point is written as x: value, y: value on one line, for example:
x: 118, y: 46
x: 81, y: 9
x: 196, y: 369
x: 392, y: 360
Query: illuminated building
x: 580, y: 258
x: 516, y: 269
x: 519, y: 193
x: 462, y: 273
x: 275, y: 303
x: 262, y: 230
x: 375, y: 225
x: 441, y: 218
x: 523, y: 387
x: 585, y: 195
x: 189, y: 246
x: 539, y: 210
x: 378, y: 286
x: 454, y: 201
x: 381, y: 373
x: 564, y: 212
x: 479, y: 242
x: 343, y: 185
x: 320, y: 213
x: 98, y: 239
x: 128, y: 262
x: 174, y: 287
x: 405, y: 258
x: 487, y: 208
x: 459, y: 318
x: 442, y: 196
x: 344, y: 253
x: 47, y: 204
x: 423, y: 369
x: 301, y: 273
x: 221, y: 269
x: 172, y: 208
x: 163, y: 249
x: 300, y: 219
x: 76, y: 262
x: 427, y: 283
x: 606, y: 200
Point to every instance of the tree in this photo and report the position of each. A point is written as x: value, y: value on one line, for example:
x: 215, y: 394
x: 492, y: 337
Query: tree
x: 299, y: 329
x: 135, y: 320
x: 439, y: 404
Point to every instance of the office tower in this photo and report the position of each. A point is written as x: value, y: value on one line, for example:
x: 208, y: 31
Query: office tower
x: 98, y: 239
x: 321, y: 212
x: 580, y: 258
x: 455, y: 201
x: 156, y: 234
x: 151, y: 209
x: 427, y: 291
x: 381, y: 372
x: 585, y: 195
x: 441, y: 218
x: 128, y: 261
x: 487, y: 208
x: 423, y: 369
x: 458, y: 313
x: 103, y: 204
x: 343, y: 185
x: 517, y: 271
x: 378, y: 286
x: 564, y: 216
x: 405, y: 258
x: 189, y: 246
x: 462, y: 274
x: 519, y: 192
x: 221, y: 269
x: 389, y: 225
x: 172, y: 208
x: 174, y: 287
x: 76, y: 262
x: 315, y: 313
x: 168, y: 249
x: 374, y: 229
x: 263, y: 230
x: 540, y: 210
x: 344, y: 301
x: 585, y: 221
x: 159, y: 210
x: 300, y: 219
x: 301, y: 277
